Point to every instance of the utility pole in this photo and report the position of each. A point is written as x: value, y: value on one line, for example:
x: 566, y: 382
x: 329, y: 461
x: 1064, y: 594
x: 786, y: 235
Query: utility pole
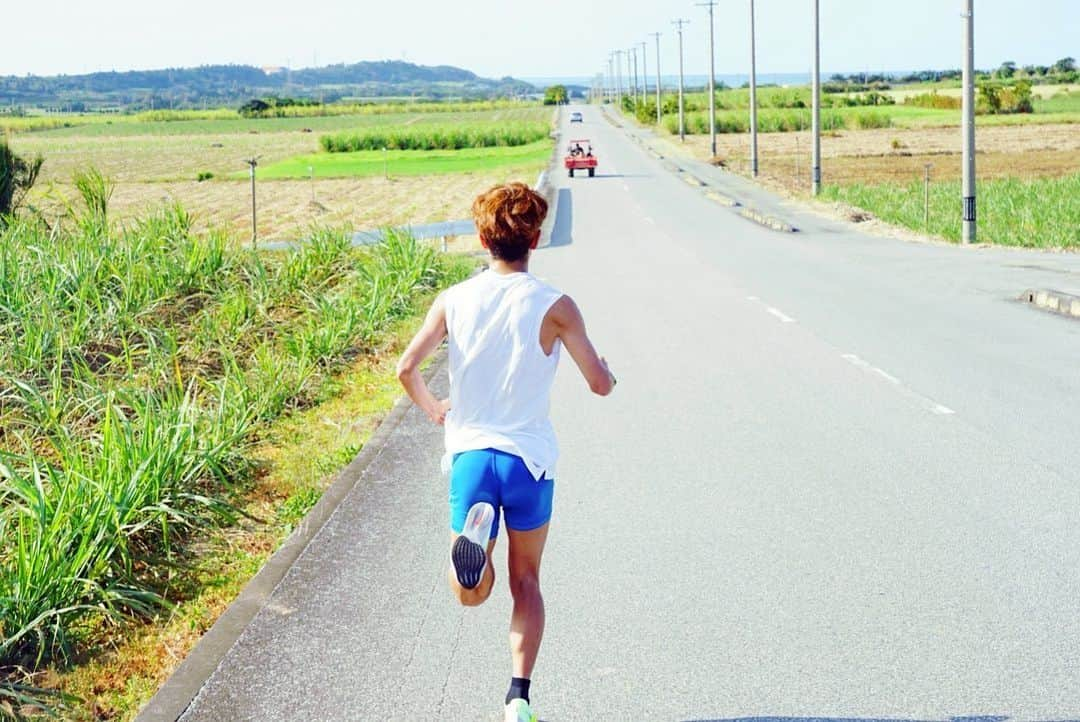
x: 618, y: 77
x: 969, y: 122
x: 645, y: 77
x: 753, y: 97
x: 682, y: 117
x: 611, y: 79
x: 633, y: 53
x: 658, y: 113
x: 816, y: 114
x: 253, y: 162
x: 712, y: 75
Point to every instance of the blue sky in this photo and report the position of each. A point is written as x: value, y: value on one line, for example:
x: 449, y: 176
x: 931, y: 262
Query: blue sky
x: 504, y: 37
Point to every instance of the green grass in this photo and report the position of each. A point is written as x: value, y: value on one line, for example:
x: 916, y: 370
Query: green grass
x: 137, y: 366
x: 1040, y: 213
x: 894, y: 116
x: 1059, y: 103
x: 786, y: 109
x: 407, y: 162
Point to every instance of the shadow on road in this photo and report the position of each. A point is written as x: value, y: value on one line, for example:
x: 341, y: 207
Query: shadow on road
x: 562, y: 230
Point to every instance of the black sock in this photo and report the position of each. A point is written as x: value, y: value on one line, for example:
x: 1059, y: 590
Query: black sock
x: 519, y: 689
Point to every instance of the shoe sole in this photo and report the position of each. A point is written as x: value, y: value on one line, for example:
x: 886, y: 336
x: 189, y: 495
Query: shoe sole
x: 469, y: 560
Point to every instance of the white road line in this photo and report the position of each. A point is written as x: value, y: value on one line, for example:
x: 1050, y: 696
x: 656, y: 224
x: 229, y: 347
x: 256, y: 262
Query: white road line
x: 752, y: 298
x: 625, y: 187
x: 784, y: 318
x: 887, y: 376
x: 926, y: 402
x: 853, y: 359
x: 648, y: 219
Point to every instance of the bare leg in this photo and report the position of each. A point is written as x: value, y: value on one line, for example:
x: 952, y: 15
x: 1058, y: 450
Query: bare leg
x: 527, y: 620
x: 477, y: 595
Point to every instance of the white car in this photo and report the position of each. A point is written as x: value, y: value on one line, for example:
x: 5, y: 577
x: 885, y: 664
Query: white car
x: 575, y: 117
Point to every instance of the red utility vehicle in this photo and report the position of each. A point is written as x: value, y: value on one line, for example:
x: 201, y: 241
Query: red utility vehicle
x: 579, y: 156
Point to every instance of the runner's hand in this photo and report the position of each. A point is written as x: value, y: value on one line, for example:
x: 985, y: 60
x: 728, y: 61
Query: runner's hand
x: 438, y: 414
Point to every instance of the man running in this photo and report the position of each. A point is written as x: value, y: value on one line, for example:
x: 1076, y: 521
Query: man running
x: 504, y: 328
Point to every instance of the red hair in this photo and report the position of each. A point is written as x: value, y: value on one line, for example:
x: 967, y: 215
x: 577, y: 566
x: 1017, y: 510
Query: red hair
x: 508, y: 218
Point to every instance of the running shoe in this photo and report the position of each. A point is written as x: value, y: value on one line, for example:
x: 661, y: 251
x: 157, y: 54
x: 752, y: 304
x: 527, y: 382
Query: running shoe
x: 519, y: 711
x: 469, y: 553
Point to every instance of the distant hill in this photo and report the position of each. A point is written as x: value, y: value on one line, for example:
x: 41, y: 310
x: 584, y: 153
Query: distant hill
x: 234, y: 84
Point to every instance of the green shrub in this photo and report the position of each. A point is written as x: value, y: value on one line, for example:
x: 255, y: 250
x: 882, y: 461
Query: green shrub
x: 436, y: 137
x: 17, y: 177
x: 870, y: 120
x: 934, y: 100
x: 204, y: 175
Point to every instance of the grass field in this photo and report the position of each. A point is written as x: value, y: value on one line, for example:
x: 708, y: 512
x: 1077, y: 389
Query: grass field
x: 786, y: 109
x: 137, y: 369
x: 1020, y: 158
x: 1037, y: 213
x: 156, y: 163
x: 39, y: 122
x: 105, y: 126
x: 368, y: 163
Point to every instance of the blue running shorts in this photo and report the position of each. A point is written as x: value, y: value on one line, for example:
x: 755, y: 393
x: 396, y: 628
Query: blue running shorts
x: 502, y: 480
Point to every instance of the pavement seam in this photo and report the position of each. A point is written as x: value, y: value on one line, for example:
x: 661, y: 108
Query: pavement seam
x: 416, y: 637
x: 175, y: 696
x: 450, y: 666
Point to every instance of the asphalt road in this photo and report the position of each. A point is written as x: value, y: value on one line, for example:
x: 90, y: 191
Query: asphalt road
x: 839, y: 480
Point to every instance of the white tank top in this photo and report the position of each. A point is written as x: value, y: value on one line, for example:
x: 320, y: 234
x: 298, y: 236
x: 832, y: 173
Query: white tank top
x: 500, y: 377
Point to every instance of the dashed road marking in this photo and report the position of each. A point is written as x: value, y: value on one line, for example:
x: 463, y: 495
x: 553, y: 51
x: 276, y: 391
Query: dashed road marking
x: 926, y: 402
x: 784, y: 318
x: 649, y: 219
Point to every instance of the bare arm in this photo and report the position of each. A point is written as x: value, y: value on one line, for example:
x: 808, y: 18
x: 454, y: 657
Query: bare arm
x: 424, y: 343
x: 568, y: 325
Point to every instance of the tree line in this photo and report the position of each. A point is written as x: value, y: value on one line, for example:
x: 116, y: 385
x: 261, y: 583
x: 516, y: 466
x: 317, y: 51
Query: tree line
x: 232, y: 84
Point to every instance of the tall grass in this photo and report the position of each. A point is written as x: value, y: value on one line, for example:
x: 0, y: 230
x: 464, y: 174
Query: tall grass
x: 136, y: 365
x: 769, y: 121
x: 1039, y: 213
x: 436, y: 137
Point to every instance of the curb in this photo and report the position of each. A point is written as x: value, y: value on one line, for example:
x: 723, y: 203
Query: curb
x: 760, y: 218
x: 546, y: 188
x: 722, y: 199
x: 175, y: 696
x: 1063, y: 304
x: 693, y: 180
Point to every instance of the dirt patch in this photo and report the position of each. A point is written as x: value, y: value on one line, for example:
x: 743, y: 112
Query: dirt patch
x: 286, y: 209
x: 898, y: 155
